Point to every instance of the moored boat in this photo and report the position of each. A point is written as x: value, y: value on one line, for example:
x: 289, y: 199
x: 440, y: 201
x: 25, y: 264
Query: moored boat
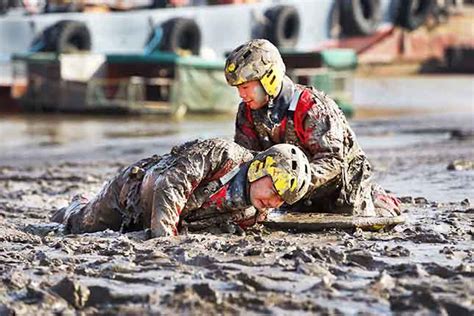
x: 159, y: 83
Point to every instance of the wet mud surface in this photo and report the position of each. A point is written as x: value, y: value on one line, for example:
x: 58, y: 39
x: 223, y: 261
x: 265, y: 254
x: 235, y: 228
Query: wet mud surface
x: 424, y: 266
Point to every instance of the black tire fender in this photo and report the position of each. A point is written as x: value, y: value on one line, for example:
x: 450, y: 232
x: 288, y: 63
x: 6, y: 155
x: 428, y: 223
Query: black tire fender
x: 181, y: 34
x: 411, y: 14
x: 4, y: 6
x: 66, y: 36
x: 283, y: 26
x: 359, y: 17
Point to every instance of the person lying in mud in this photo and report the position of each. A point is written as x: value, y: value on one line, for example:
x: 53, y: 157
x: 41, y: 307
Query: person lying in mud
x: 275, y: 110
x: 214, y: 183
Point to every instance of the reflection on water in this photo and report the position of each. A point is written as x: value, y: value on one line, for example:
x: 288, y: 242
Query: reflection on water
x: 40, y: 139
x: 427, y: 93
x: 87, y: 137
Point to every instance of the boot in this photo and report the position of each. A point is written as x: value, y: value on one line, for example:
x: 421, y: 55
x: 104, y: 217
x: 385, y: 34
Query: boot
x: 62, y: 215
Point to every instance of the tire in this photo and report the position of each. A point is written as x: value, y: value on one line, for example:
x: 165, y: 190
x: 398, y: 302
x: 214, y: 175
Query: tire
x: 4, y: 6
x: 359, y: 17
x: 35, y: 7
x: 66, y: 37
x: 453, y: 57
x: 10, y: 4
x: 283, y: 26
x: 181, y: 34
x: 411, y: 14
x: 156, y: 4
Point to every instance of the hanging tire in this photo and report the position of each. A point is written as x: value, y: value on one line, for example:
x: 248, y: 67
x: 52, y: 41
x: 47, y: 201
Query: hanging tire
x: 359, y: 17
x: 4, y: 6
x: 411, y: 14
x: 181, y: 34
x: 66, y: 37
x: 283, y: 27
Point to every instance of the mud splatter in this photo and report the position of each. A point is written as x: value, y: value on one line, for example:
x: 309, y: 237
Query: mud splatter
x: 424, y: 266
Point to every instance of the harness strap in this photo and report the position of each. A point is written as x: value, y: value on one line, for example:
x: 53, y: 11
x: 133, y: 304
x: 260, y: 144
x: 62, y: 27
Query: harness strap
x: 294, y: 100
x: 291, y: 136
x: 228, y: 176
x: 213, y: 186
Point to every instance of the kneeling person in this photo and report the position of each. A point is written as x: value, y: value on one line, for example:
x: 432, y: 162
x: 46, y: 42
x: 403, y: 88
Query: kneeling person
x: 202, y: 180
x: 276, y: 110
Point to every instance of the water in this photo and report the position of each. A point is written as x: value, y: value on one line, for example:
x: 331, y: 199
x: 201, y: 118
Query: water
x: 432, y: 107
x: 33, y: 139
x: 420, y: 93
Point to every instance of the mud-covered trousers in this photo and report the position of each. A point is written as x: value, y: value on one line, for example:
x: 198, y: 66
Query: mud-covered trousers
x: 102, y: 212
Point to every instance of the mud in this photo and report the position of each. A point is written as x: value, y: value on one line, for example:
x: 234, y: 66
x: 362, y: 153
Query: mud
x: 424, y: 266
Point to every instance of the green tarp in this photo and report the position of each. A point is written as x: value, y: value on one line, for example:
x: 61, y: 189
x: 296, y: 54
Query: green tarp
x: 203, y: 90
x: 339, y: 59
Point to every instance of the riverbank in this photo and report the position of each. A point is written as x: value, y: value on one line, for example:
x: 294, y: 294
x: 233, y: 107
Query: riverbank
x: 422, y: 266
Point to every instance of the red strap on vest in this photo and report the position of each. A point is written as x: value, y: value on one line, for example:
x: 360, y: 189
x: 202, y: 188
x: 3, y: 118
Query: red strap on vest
x: 283, y: 127
x: 305, y: 103
x: 217, y: 199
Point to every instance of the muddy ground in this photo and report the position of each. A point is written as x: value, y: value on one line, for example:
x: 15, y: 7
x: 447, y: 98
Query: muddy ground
x: 424, y: 266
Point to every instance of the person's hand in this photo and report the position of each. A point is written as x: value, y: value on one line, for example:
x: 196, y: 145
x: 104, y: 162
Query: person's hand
x: 262, y: 215
x: 155, y: 232
x: 231, y: 228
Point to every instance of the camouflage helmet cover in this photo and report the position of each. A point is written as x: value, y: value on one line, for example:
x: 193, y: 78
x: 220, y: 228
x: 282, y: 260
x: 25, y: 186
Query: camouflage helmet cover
x: 257, y: 59
x: 288, y: 167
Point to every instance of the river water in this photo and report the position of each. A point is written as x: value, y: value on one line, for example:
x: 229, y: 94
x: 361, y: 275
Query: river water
x: 427, y: 109
x: 420, y: 267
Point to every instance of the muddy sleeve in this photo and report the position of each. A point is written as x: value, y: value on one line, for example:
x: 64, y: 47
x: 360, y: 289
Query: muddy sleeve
x: 172, y: 190
x: 245, y: 134
x: 324, y: 141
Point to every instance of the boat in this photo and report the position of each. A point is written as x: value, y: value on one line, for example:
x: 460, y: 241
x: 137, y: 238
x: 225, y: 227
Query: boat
x: 377, y: 30
x: 302, y: 25
x: 159, y: 83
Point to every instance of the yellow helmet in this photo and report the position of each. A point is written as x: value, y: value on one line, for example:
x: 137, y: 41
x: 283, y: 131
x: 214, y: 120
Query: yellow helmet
x: 257, y: 59
x: 288, y: 167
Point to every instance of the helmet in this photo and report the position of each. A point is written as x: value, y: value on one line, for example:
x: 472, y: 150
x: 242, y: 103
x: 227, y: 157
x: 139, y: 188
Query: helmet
x: 288, y: 167
x: 257, y: 59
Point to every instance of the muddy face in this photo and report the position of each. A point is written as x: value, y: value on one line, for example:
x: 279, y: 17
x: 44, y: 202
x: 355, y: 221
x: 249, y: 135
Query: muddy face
x: 253, y: 94
x: 263, y: 194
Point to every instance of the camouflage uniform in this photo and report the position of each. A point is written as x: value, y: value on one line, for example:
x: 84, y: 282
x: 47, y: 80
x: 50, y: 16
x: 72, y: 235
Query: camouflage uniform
x: 166, y: 192
x: 341, y: 174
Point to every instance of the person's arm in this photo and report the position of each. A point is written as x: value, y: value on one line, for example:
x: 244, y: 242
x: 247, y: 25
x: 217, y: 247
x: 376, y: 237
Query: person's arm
x: 245, y: 134
x: 324, y: 131
x: 172, y: 190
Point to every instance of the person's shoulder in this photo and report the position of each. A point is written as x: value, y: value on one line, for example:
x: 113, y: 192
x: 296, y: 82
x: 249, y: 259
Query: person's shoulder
x: 307, y: 100
x: 224, y: 145
x: 216, y: 143
x: 319, y: 99
x: 315, y: 93
x: 203, y: 147
x: 208, y: 143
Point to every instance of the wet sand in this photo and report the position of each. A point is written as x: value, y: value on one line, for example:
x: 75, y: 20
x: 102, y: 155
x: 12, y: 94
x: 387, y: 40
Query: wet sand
x: 424, y: 266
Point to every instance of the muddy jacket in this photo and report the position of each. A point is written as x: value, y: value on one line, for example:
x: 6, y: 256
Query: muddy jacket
x: 312, y: 121
x: 198, y: 181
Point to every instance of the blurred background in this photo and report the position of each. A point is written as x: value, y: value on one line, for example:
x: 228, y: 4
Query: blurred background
x: 107, y: 79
